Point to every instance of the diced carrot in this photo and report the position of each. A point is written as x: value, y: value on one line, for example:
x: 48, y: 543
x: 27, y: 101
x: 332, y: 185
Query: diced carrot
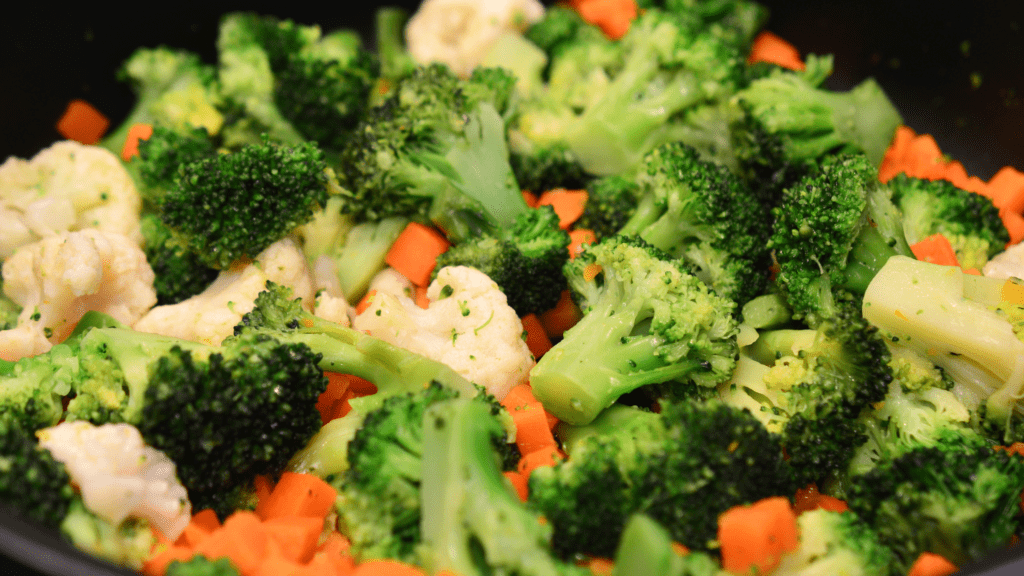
x: 157, y: 564
x: 275, y: 562
x: 415, y: 251
x: 935, y: 249
x: 322, y: 565
x: 753, y: 538
x: 295, y: 535
x: 263, y: 486
x: 1015, y: 448
x: 335, y: 543
x: 202, y: 524
x: 298, y: 495
x: 82, y: 122
x: 568, y: 204
x: 421, y: 297
x: 242, y: 539
x: 929, y: 564
x: 771, y: 48
x: 520, y: 482
x: 136, y: 133
x: 531, y: 198
x: 520, y: 396
x: 600, y: 566
x: 532, y: 430
x: 679, y: 549
x: 579, y: 238
x: 386, y: 568
x: 892, y: 161
x: 809, y: 498
x: 613, y: 17
x: 536, y: 338
x: 563, y: 316
x: 591, y: 271
x: 330, y: 401
x: 546, y: 456
x: 1006, y: 189
x: 365, y: 301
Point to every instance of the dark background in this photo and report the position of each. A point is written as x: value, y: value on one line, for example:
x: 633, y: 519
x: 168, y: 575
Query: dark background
x: 954, y: 71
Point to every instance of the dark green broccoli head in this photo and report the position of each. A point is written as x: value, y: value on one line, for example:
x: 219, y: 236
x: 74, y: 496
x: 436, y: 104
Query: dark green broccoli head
x: 232, y: 206
x: 180, y: 272
x: 200, y: 565
x: 646, y: 320
x: 961, y: 501
x: 969, y: 221
x: 834, y: 229
x: 31, y: 392
x: 163, y: 155
x: 230, y: 415
x: 542, y: 168
x: 32, y: 483
x: 700, y: 212
x: 611, y: 201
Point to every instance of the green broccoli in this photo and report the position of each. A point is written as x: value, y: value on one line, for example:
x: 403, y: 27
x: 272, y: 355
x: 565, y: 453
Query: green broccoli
x: 699, y: 212
x: 646, y: 548
x: 612, y: 102
x: 610, y: 203
x: 32, y: 484
x: 524, y: 260
x: 173, y: 90
x: 232, y: 206
x: 436, y: 149
x: 834, y: 230
x: 31, y: 392
x: 969, y: 221
x: 129, y: 543
x: 162, y: 157
x: 542, y: 168
x: 223, y: 414
x: 809, y: 386
x: 630, y: 461
x: 813, y: 122
x: 180, y: 273
x: 472, y: 522
x: 959, y: 500
x: 379, y: 494
x: 646, y: 320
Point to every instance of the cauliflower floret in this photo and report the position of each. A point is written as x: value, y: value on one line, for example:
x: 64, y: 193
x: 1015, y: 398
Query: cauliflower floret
x: 468, y: 325
x: 119, y: 476
x: 211, y: 316
x: 391, y: 281
x: 460, y: 33
x: 1006, y: 264
x: 66, y: 187
x: 330, y: 300
x: 58, y: 279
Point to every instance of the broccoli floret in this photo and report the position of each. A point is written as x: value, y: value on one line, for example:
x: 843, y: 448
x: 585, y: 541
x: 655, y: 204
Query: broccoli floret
x: 646, y: 320
x: 958, y: 500
x: 833, y: 230
x: 180, y: 272
x: 809, y: 386
x: 699, y: 212
x: 630, y: 461
x: 389, y: 34
x: 128, y: 543
x: 836, y: 543
x: 472, y: 522
x: 32, y: 484
x: 813, y: 121
x: 232, y: 206
x: 379, y: 495
x: 561, y: 27
x: 31, y: 394
x: 525, y: 260
x: 739, y: 18
x: 610, y: 203
x: 200, y: 565
x: 224, y: 414
x: 162, y: 156
x: 542, y: 168
x: 173, y: 89
x: 613, y: 102
x: 969, y: 221
x: 436, y: 149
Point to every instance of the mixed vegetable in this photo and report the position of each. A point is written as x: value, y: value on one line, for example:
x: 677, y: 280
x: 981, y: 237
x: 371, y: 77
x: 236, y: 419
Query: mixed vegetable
x: 607, y: 287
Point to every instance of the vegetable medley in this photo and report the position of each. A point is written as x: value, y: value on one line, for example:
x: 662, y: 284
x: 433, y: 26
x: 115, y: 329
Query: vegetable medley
x: 608, y: 287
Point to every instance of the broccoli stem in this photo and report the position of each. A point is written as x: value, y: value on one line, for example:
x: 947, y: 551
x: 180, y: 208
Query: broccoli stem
x: 869, y: 253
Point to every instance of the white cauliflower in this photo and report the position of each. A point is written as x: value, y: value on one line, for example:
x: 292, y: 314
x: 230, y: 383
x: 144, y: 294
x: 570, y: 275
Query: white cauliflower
x: 58, y: 279
x: 330, y: 300
x: 460, y: 33
x: 1006, y: 264
x: 468, y: 326
x: 66, y: 187
x: 119, y: 476
x: 391, y: 281
x: 211, y: 316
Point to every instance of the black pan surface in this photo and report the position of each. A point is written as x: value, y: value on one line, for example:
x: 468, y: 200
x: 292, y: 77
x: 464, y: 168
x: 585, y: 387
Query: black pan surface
x: 953, y: 70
